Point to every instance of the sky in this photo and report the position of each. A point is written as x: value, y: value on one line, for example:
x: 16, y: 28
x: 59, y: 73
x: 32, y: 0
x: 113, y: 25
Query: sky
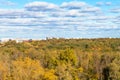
x: 38, y: 19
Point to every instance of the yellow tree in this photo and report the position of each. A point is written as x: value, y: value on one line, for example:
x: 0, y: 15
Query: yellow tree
x: 27, y: 69
x: 4, y: 71
x: 50, y: 75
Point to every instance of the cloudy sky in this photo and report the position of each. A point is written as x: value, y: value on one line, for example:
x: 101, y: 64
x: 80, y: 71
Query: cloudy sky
x: 59, y: 18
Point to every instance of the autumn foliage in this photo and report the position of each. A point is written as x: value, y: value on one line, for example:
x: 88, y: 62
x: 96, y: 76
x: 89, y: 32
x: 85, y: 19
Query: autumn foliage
x: 61, y: 59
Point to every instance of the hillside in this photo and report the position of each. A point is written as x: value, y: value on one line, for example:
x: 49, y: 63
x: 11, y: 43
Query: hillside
x: 61, y: 59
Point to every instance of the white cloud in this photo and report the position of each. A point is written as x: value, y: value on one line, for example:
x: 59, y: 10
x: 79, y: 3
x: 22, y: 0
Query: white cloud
x: 41, y: 6
x: 108, y: 3
x: 73, y: 5
x: 92, y: 9
x: 115, y: 10
x: 7, y: 3
x: 100, y: 3
x: 37, y: 17
x: 104, y: 3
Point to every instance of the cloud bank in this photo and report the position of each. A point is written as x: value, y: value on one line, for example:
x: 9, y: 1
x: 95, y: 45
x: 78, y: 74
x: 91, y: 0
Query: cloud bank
x: 70, y: 20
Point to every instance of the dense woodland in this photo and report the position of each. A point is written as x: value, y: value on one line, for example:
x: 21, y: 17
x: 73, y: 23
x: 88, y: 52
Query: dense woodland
x: 61, y: 59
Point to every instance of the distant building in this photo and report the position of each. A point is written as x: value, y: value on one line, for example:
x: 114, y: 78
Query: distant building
x: 19, y: 40
x: 3, y: 40
x: 23, y: 40
x: 30, y: 40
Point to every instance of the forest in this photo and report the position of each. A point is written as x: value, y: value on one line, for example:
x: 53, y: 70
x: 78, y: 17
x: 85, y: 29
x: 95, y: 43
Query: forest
x: 61, y: 59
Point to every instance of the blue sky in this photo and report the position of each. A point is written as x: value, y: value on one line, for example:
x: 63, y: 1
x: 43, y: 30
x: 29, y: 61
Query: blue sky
x: 39, y: 19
